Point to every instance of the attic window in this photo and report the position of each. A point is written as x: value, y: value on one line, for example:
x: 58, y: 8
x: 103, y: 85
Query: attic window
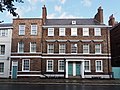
x: 73, y: 22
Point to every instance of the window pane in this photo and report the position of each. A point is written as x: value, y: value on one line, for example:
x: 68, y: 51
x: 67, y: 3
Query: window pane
x: 21, y: 29
x: 26, y: 64
x: 50, y: 48
x: 49, y: 65
x: 97, y: 31
x: 62, y: 48
x: 61, y: 65
x: 61, y: 31
x: 34, y: 29
x: 98, y: 48
x: 87, y: 65
x: 73, y: 48
x: 98, y: 66
x: 85, y: 31
x: 2, y: 49
x: 86, y: 48
x: 50, y: 31
x: 1, y: 67
x: 21, y: 47
x: 33, y: 47
x: 73, y: 31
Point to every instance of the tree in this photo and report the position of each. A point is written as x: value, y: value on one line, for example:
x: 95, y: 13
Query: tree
x: 9, y: 6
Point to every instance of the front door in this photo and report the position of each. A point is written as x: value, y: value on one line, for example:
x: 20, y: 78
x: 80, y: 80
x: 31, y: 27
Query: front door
x: 70, y: 69
x: 14, y: 69
x: 77, y: 69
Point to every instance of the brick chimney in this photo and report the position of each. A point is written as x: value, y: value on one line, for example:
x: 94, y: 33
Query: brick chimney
x: 44, y: 14
x: 99, y: 15
x: 111, y: 20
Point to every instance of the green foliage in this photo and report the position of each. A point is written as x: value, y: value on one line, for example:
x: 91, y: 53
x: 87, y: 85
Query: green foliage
x: 9, y: 6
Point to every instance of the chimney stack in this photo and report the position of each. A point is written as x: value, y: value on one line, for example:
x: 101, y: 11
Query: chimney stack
x: 111, y: 20
x: 99, y: 15
x: 44, y: 14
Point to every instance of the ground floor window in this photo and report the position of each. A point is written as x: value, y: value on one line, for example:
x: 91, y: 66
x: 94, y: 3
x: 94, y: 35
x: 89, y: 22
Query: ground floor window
x: 25, y: 65
x: 61, y: 66
x: 1, y: 67
x: 49, y: 65
x: 87, y: 65
x: 99, y: 66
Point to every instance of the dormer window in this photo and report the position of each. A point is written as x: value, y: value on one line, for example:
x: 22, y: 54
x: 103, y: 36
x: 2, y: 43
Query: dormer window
x: 73, y: 22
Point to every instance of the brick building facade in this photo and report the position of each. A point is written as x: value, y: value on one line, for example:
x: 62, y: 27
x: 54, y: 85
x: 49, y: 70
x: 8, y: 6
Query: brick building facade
x: 76, y: 47
x: 70, y: 48
x: 26, y: 47
x: 115, y: 43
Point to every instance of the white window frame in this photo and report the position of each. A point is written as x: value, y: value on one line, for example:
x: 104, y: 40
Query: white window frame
x: 73, y: 31
x: 50, y: 31
x: 99, y: 48
x: 2, y: 71
x: 34, y: 46
x: 88, y: 49
x: 97, y: 31
x: 34, y: 29
x: 48, y: 49
x: 85, y: 31
x: 101, y: 70
x: 24, y: 66
x: 88, y: 66
x: 22, y: 28
x: 61, y: 31
x: 47, y: 66
x: 19, y: 47
x: 62, y: 48
x: 75, y: 44
x: 3, y: 32
x: 59, y: 63
x: 1, y: 50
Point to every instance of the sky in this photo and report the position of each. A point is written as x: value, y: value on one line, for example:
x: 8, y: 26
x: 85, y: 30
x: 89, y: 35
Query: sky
x: 64, y: 9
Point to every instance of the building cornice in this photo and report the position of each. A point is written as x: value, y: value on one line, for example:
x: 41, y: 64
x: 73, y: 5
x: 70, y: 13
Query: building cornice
x: 70, y: 26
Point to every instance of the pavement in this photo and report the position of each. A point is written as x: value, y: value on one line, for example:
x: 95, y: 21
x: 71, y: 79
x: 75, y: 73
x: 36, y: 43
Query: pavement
x: 61, y: 81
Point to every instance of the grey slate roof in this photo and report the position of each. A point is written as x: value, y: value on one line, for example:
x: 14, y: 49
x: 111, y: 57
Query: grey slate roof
x: 89, y: 21
x: 5, y: 25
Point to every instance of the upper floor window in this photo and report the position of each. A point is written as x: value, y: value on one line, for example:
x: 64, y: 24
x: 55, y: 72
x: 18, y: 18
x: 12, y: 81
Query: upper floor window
x: 33, y: 29
x: 3, y: 32
x: 73, y: 31
x: 97, y: 31
x: 87, y: 65
x: 20, y: 47
x: 97, y: 48
x: 2, y: 49
x: 99, y: 66
x: 50, y: 31
x: 21, y: 29
x: 61, y: 31
x: 86, y: 49
x: 50, y: 48
x: 25, y: 65
x: 85, y: 31
x: 49, y: 65
x: 73, y: 48
x: 61, y: 66
x: 62, y: 48
x: 33, y: 47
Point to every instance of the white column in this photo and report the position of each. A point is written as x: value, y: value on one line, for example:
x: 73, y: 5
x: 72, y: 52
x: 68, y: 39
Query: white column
x: 82, y: 69
x: 66, y: 69
x: 74, y: 69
